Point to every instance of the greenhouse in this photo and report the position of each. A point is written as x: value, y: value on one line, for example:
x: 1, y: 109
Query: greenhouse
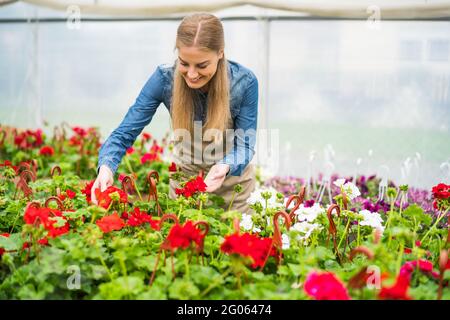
x: 224, y: 150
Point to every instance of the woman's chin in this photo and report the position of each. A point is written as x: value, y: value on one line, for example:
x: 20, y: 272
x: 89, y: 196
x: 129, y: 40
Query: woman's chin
x: 195, y: 85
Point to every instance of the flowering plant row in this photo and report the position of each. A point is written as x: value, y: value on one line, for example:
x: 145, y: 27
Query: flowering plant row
x: 138, y: 243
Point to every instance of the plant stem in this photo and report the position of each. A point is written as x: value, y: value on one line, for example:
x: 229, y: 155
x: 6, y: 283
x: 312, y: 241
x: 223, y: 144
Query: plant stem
x: 186, y: 264
x: 127, y: 162
x: 216, y: 283
x: 122, y: 265
x: 359, y: 236
x: 400, y: 256
x: 232, y: 199
x: 434, y: 225
x: 345, y: 233
x: 104, y: 264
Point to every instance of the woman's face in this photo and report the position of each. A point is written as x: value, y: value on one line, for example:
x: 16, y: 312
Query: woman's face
x: 197, y: 66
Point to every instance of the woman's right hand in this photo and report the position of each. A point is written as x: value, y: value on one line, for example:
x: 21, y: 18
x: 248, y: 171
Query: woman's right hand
x: 104, y: 179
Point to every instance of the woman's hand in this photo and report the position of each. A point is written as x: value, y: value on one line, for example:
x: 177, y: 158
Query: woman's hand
x: 104, y: 180
x: 216, y: 176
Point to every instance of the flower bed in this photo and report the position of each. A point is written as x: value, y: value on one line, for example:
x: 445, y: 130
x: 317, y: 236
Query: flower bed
x: 140, y: 244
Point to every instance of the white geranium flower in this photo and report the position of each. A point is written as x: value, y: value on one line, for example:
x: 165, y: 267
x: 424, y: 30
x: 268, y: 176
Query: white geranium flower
x: 256, y: 197
x: 372, y: 219
x: 351, y: 190
x: 305, y: 229
x: 256, y: 230
x: 339, y: 182
x: 246, y: 222
x: 309, y: 214
x: 285, y: 241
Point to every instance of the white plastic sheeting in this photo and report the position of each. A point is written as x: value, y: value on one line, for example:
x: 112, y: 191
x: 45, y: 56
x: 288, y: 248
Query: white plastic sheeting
x: 400, y: 9
x: 380, y: 95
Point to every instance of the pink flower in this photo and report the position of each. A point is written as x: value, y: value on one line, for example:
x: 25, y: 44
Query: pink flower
x: 325, y: 286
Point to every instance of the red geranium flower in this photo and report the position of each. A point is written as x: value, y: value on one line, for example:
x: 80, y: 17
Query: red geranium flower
x: 138, y: 217
x: 248, y: 245
x: 173, y: 167
x: 146, y: 136
x: 149, y: 157
x: 46, y: 151
x: 8, y: 163
x: 182, y: 236
x: 71, y: 194
x: 44, y: 217
x: 191, y: 187
x: 130, y: 150
x: 87, y: 190
x: 110, y: 223
x: 441, y: 191
x: 29, y: 139
x: 156, y: 148
x: 399, y: 291
x: 104, y: 198
x: 75, y: 141
x: 80, y: 131
x: 325, y: 286
x: 43, y: 241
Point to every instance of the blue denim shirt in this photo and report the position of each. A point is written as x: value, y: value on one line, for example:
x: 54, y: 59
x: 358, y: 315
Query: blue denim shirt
x: 158, y: 89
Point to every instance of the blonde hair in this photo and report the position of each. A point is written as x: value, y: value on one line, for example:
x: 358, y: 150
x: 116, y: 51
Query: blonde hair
x: 204, y: 31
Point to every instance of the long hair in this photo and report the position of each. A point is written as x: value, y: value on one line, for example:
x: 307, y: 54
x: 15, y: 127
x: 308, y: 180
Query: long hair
x: 205, y: 32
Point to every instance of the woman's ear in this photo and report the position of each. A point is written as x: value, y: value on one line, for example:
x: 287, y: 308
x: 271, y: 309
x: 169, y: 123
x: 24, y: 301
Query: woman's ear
x: 220, y: 54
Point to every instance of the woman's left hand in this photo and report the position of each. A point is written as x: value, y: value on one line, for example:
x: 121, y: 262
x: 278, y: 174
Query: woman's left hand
x: 216, y: 176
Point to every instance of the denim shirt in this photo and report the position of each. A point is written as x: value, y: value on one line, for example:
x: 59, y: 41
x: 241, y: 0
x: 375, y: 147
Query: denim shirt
x: 158, y: 89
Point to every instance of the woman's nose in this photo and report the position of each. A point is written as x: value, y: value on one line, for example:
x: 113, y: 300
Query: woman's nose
x: 192, y: 74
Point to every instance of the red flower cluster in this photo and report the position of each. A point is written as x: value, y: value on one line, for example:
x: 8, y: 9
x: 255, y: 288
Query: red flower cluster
x: 181, y: 236
x: 146, y: 136
x: 47, y: 151
x: 248, y: 245
x: 325, y: 286
x: 69, y: 193
x: 29, y: 139
x: 192, y: 186
x: 441, y: 195
x: 173, y: 167
x: 110, y: 223
x: 8, y: 163
x: 80, y: 135
x: 87, y: 191
x: 399, y: 291
x: 441, y: 191
x: 150, y: 157
x: 104, y: 198
x: 44, y: 216
x: 80, y: 131
x: 138, y: 217
x: 156, y: 148
x: 130, y: 150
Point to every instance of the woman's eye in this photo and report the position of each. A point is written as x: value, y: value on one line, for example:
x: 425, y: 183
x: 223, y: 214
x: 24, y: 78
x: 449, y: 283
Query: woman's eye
x: 202, y: 67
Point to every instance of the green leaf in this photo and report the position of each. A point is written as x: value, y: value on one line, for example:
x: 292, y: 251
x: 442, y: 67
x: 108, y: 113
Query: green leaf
x: 183, y: 289
x: 13, y: 242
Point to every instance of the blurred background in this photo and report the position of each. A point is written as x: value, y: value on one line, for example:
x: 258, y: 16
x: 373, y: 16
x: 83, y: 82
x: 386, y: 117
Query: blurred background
x: 366, y: 88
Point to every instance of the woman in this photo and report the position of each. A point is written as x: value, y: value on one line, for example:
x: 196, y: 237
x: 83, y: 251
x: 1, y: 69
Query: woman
x: 202, y: 90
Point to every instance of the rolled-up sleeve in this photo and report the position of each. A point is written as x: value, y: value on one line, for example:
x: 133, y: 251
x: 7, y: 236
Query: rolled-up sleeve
x: 245, y: 125
x: 138, y: 116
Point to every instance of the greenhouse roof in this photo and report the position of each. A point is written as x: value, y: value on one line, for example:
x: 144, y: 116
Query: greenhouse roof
x: 349, y: 9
